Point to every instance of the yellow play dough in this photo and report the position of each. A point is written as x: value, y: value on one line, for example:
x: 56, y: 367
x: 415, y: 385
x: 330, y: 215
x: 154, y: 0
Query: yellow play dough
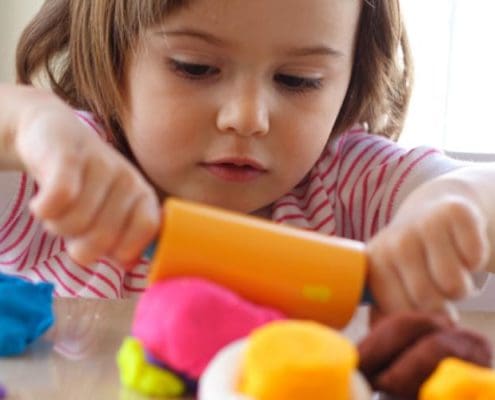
x: 455, y: 379
x: 295, y: 360
x: 137, y: 374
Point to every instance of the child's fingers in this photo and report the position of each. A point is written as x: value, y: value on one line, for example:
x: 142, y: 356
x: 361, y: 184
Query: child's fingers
x: 142, y: 226
x: 82, y: 212
x: 409, y: 259
x: 445, y: 265
x: 59, y: 188
x: 470, y: 234
x: 108, y: 224
x: 384, y: 281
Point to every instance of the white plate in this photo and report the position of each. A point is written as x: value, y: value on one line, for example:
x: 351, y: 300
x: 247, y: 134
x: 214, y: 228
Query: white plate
x: 218, y: 382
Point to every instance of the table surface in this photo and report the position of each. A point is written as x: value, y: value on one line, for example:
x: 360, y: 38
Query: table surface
x: 76, y: 359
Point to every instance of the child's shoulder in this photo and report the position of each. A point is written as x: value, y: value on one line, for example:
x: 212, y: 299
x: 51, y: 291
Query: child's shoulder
x: 357, y: 138
x: 358, y: 145
x: 354, y: 144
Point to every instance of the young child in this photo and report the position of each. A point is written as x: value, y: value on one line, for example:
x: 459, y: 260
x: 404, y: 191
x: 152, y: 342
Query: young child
x: 279, y: 108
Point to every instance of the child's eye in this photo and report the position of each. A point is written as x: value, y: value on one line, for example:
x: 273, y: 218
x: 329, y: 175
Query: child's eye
x: 194, y: 71
x: 297, y: 83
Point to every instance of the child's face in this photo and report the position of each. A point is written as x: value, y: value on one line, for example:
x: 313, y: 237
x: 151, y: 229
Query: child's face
x: 231, y: 102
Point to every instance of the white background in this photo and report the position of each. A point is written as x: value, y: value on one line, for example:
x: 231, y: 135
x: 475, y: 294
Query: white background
x: 452, y: 43
x: 453, y: 46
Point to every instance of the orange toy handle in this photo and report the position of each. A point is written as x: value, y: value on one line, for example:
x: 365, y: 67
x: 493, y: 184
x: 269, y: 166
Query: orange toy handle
x: 304, y: 274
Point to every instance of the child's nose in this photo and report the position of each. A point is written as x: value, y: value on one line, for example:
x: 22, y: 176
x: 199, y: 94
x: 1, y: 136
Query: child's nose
x: 244, y: 111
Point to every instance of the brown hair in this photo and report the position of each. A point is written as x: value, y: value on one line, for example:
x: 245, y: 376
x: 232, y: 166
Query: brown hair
x: 382, y: 77
x: 80, y: 47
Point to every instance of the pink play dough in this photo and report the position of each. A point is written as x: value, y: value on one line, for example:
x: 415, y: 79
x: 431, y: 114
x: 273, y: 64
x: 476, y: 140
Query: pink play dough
x: 185, y: 322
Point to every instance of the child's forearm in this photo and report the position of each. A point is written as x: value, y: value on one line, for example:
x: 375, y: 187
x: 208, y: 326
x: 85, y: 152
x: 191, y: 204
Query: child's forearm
x: 9, y: 106
x: 17, y: 105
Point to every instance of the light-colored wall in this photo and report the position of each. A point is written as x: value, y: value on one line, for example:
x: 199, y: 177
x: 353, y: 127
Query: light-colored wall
x: 14, y: 15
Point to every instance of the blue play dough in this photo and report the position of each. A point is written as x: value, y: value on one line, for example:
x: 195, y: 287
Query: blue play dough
x: 25, y: 313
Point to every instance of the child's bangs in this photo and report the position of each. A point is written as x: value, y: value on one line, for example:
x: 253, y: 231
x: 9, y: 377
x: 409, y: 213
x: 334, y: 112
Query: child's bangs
x: 145, y: 13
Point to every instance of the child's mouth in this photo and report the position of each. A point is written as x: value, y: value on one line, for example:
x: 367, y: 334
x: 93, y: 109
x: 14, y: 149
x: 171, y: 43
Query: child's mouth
x: 235, y: 170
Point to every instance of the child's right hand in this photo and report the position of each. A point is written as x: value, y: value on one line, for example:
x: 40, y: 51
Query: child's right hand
x: 88, y: 192
x: 426, y: 256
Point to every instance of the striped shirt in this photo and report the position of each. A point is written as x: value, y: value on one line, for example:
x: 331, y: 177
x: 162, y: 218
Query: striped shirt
x: 352, y: 191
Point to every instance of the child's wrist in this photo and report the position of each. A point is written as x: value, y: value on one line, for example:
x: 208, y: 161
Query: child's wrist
x: 10, y: 104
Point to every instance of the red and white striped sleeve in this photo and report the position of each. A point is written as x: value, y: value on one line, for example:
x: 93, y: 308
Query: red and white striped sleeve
x: 357, y: 185
x: 17, y: 226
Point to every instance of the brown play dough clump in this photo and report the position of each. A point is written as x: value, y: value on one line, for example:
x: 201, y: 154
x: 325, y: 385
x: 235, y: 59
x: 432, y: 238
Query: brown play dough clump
x: 402, y: 350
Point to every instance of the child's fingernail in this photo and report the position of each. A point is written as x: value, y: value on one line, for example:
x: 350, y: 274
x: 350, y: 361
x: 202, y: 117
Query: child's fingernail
x: 469, y: 284
x: 452, y: 312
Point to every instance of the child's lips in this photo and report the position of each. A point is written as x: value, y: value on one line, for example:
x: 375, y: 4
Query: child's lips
x: 235, y: 169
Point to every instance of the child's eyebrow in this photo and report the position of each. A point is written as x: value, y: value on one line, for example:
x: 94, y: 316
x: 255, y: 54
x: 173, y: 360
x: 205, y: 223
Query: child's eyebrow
x: 316, y: 50
x: 211, y: 39
x: 206, y: 37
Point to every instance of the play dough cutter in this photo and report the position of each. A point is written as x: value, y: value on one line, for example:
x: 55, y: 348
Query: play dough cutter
x: 303, y: 274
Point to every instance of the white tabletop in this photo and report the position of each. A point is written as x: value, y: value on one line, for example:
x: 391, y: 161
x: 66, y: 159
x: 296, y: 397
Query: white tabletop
x: 76, y: 359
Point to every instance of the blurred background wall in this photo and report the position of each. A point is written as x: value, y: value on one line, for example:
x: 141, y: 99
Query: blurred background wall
x: 14, y: 15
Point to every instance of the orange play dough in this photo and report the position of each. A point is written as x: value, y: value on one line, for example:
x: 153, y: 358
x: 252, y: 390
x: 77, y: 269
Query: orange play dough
x: 456, y: 379
x: 294, y: 360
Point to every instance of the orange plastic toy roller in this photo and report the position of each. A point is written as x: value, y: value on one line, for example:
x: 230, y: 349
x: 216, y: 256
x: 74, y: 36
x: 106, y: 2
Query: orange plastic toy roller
x: 304, y: 274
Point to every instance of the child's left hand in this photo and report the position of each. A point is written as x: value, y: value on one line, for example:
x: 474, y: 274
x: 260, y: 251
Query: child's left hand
x: 425, y: 256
